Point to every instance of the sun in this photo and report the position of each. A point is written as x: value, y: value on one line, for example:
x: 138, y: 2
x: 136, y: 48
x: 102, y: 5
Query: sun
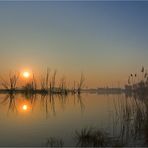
x: 26, y: 74
x: 24, y: 107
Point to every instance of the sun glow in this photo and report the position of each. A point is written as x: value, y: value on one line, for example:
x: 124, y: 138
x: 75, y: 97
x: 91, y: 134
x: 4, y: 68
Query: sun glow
x: 26, y: 74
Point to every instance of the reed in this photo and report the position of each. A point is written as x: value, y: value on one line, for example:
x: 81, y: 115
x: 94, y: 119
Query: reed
x: 53, y: 81
x: 88, y: 137
x: 54, y: 142
x: 47, y: 84
x: 81, y: 83
x: 132, y: 117
x: 136, y: 85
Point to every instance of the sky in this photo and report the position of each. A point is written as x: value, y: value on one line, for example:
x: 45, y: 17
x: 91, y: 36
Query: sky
x: 104, y: 40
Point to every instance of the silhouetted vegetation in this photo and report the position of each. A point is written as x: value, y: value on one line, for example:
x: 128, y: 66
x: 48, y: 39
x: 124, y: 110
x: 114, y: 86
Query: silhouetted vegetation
x: 54, y: 142
x: 80, y: 84
x: 130, y: 115
x: 138, y: 83
x: 47, y: 84
x: 88, y: 137
x: 130, y: 127
x: 11, y: 84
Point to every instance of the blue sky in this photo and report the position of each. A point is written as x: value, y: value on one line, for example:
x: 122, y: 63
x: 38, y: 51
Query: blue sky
x: 104, y: 40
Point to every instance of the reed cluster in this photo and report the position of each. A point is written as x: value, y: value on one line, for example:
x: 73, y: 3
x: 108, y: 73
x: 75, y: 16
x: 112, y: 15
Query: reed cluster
x: 47, y: 84
x: 138, y: 83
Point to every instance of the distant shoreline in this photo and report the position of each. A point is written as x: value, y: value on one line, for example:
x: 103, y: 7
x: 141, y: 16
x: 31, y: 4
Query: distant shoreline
x: 40, y: 91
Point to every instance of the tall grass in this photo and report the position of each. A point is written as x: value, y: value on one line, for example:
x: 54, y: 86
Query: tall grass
x: 138, y: 83
x: 132, y: 117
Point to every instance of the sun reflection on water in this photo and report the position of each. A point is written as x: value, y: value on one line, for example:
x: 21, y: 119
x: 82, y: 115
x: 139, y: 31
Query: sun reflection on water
x: 25, y: 107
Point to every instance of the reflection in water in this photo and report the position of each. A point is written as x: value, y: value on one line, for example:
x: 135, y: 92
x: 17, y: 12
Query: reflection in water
x: 129, y: 126
x: 9, y: 100
x: 116, y: 120
x: 54, y: 142
x: 26, y: 102
x: 91, y: 138
x: 25, y: 107
x: 48, y: 104
x: 79, y: 100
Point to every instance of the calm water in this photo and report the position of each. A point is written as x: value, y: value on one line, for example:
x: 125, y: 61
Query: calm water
x: 32, y: 120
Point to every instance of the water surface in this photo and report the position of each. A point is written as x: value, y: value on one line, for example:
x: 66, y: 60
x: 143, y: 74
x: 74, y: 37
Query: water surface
x: 32, y: 120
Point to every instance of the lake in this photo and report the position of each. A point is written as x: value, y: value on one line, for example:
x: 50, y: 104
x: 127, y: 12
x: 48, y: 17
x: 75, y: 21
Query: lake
x: 31, y: 120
